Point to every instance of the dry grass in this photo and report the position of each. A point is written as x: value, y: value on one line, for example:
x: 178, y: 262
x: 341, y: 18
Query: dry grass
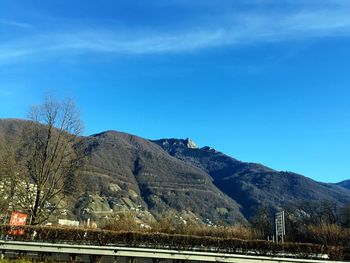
x: 329, y: 234
x: 240, y: 232
x: 123, y: 222
x: 172, y: 225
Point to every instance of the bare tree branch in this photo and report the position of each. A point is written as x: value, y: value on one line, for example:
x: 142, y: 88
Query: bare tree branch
x: 51, y: 154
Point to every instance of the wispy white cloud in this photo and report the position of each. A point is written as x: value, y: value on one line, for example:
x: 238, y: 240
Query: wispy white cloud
x: 13, y: 23
x: 238, y: 29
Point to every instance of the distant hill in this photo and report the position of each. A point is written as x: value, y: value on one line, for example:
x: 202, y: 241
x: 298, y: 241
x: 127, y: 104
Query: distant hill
x: 253, y: 185
x: 345, y: 184
x: 123, y: 172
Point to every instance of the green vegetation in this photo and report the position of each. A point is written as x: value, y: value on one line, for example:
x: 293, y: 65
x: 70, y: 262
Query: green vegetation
x: 20, y: 260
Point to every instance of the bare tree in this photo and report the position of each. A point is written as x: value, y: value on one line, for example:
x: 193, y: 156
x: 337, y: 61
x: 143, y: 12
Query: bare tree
x: 329, y: 212
x: 345, y: 215
x: 3, y: 175
x: 52, y: 154
x: 9, y: 171
x: 262, y: 221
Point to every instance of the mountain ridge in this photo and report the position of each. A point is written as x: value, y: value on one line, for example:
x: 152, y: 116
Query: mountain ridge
x: 345, y: 184
x: 156, y: 177
x: 253, y: 185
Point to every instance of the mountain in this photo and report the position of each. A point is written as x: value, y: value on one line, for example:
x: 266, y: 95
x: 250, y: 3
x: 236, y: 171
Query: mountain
x: 138, y: 171
x: 253, y: 185
x: 124, y: 172
x: 345, y: 184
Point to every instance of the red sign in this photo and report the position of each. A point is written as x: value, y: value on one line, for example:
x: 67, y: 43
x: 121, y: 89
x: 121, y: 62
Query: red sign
x: 18, y: 219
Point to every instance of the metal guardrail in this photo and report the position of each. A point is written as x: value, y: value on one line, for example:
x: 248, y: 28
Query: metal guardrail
x: 145, y: 253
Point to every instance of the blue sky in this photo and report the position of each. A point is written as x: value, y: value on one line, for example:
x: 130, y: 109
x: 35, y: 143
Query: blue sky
x: 263, y: 81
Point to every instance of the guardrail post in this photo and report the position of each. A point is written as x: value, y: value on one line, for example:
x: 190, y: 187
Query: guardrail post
x: 130, y: 260
x: 73, y: 258
x: 95, y: 258
x: 22, y: 254
x: 2, y: 254
x: 45, y: 256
